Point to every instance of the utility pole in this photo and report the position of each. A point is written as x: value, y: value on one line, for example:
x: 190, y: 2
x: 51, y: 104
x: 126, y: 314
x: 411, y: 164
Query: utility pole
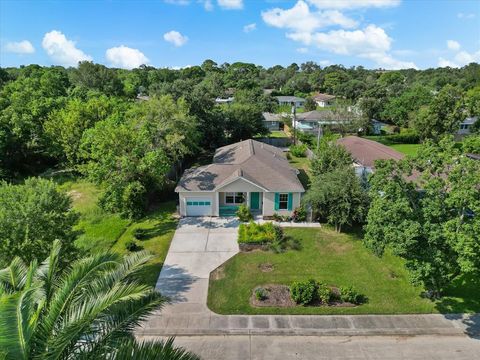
x: 294, y: 125
x: 319, y: 135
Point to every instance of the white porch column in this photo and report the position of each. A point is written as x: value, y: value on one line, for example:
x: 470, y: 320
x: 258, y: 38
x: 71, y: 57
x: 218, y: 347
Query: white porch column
x: 217, y: 210
x: 247, y: 200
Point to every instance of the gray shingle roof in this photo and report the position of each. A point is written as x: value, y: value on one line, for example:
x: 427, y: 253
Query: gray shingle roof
x: 289, y: 98
x: 262, y: 164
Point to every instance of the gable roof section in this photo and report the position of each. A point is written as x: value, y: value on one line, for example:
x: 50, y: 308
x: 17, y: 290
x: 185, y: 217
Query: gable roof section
x: 260, y: 164
x: 365, y: 151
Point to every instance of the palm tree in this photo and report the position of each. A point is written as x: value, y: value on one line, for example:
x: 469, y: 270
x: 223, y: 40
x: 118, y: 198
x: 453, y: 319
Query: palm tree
x: 87, y: 311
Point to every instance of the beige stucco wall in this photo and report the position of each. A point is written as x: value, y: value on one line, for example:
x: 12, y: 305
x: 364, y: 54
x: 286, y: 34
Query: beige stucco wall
x: 212, y: 196
x: 269, y: 204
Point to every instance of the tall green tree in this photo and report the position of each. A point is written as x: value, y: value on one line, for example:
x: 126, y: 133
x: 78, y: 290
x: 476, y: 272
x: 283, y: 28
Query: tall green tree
x: 330, y: 156
x: 442, y: 116
x: 31, y: 215
x: 431, y: 222
x: 338, y: 197
x: 87, y: 311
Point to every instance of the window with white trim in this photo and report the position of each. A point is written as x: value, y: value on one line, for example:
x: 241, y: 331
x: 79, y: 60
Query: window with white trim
x: 283, y: 201
x: 234, y: 198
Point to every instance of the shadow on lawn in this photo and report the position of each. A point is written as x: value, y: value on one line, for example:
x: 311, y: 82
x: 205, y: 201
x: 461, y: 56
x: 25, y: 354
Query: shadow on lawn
x: 463, y: 296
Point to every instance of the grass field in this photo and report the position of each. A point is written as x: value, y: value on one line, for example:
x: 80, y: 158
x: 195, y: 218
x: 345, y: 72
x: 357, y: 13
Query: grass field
x: 303, y: 165
x: 407, y: 149
x: 336, y: 259
x: 280, y: 134
x: 101, y: 231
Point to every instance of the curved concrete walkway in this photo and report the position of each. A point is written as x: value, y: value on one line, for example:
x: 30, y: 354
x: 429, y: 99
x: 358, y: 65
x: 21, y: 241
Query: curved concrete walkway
x: 200, y: 245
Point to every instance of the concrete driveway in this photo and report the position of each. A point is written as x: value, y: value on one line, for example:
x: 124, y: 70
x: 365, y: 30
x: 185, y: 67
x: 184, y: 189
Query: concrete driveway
x: 198, y: 247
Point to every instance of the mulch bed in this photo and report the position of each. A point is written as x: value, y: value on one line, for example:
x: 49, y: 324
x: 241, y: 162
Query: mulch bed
x: 278, y: 296
x: 266, y: 267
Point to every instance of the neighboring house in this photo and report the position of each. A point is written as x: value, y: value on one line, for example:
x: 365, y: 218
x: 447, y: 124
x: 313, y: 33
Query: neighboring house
x: 143, y: 97
x: 324, y: 100
x: 228, y: 100
x: 291, y: 100
x: 466, y: 124
x: 310, y: 121
x: 365, y: 152
x: 248, y: 172
x: 272, y: 121
x: 377, y: 126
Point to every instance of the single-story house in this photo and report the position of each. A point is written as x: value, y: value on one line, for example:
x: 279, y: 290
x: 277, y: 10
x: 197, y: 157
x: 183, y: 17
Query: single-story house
x: 291, y: 100
x: 310, y: 121
x: 272, y: 121
x: 365, y: 152
x: 324, y: 100
x: 466, y: 124
x: 377, y: 126
x: 248, y: 172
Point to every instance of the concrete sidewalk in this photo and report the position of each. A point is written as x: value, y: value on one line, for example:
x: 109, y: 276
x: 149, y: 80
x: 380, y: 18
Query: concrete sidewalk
x: 325, y: 325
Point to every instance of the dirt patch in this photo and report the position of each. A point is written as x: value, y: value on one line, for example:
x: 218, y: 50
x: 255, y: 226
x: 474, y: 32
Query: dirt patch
x: 339, y: 248
x: 266, y: 267
x: 276, y: 295
x: 218, y: 273
x: 74, y: 194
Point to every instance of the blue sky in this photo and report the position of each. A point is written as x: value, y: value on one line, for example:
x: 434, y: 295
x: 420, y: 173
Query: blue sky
x: 176, y: 33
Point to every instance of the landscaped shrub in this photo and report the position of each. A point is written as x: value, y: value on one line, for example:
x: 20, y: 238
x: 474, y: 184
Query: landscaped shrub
x: 307, y: 138
x: 280, y: 218
x: 261, y: 294
x: 140, y: 234
x: 132, y: 246
x: 299, y: 214
x: 351, y: 295
x: 304, y: 292
x: 324, y: 293
x: 244, y: 213
x: 298, y: 150
x: 253, y: 233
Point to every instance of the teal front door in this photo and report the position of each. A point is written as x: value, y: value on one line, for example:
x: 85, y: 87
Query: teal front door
x: 254, y: 200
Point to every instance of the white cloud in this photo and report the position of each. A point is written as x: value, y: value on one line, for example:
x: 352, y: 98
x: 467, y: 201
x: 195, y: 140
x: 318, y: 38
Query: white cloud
x: 62, y: 50
x: 300, y: 19
x: 302, y: 50
x: 208, y: 5
x: 371, y: 43
x: 453, y: 45
x: 324, y: 62
x: 460, y: 59
x: 125, y: 57
x: 175, y: 38
x: 230, y: 4
x: 353, y: 4
x: 249, y: 28
x: 21, y: 47
x: 466, y: 15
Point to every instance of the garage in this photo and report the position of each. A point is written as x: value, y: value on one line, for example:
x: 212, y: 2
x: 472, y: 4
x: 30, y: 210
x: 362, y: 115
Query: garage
x: 198, y: 206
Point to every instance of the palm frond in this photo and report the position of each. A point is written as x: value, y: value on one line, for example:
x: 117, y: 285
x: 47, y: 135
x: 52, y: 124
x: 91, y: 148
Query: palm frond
x: 129, y: 349
x: 18, y: 319
x: 48, y: 270
x: 14, y: 276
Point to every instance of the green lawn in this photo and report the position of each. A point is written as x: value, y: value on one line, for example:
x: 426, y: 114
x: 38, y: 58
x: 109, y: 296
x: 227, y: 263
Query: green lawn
x: 280, y: 134
x: 101, y: 231
x: 336, y: 259
x: 407, y: 149
x: 303, y: 165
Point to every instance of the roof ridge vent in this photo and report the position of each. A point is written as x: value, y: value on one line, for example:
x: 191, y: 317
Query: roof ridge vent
x: 252, y: 150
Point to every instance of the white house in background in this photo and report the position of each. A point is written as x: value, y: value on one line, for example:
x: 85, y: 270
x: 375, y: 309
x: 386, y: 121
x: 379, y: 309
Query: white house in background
x: 310, y: 121
x: 377, y: 126
x: 324, y: 100
x: 248, y: 172
x: 365, y: 152
x: 272, y: 121
x: 291, y: 100
x: 466, y: 124
x: 228, y: 100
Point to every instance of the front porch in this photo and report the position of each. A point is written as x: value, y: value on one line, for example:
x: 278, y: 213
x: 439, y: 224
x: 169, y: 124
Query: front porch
x: 230, y: 201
